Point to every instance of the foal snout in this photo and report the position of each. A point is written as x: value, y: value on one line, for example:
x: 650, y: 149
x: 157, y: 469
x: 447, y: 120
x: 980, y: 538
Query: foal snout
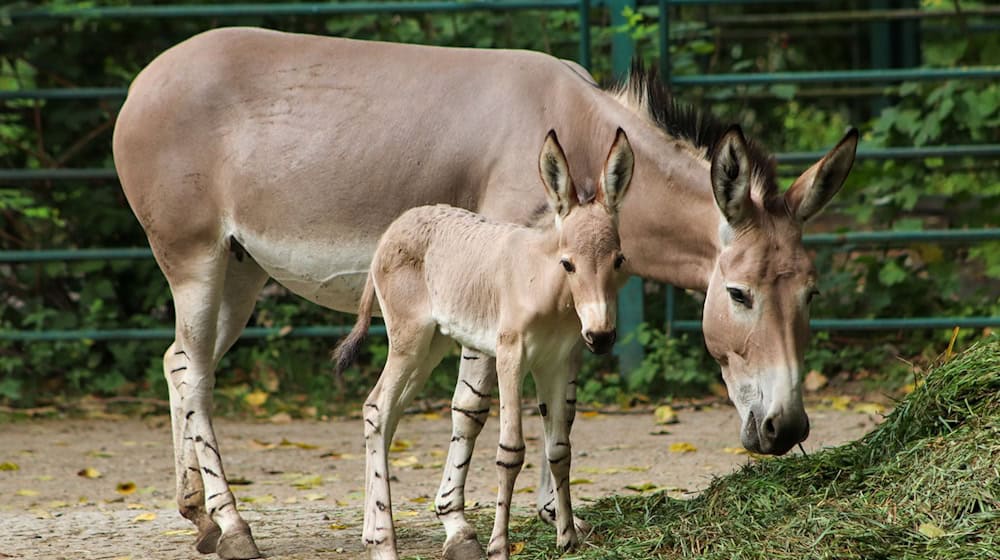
x: 600, y: 342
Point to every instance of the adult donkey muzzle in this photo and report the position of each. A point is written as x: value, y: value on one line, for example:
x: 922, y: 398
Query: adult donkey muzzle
x: 600, y: 342
x: 775, y: 433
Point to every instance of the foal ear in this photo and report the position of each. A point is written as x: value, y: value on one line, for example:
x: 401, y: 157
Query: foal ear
x: 617, y: 173
x: 554, y: 171
x: 731, y: 177
x: 814, y: 188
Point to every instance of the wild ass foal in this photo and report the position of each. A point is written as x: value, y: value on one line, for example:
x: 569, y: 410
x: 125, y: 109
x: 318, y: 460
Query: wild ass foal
x: 524, y: 295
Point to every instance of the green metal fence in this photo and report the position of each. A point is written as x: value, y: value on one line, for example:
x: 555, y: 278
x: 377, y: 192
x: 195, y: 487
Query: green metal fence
x: 622, y: 50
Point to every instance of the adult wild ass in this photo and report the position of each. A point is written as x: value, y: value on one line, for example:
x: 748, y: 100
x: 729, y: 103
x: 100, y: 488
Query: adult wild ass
x: 247, y: 153
x: 526, y: 296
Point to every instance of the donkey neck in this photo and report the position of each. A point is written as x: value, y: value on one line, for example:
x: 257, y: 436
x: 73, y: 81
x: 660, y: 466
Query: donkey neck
x: 670, y: 221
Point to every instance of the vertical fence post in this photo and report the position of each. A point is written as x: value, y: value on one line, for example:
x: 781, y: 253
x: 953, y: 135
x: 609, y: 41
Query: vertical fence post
x: 629, y: 352
x: 585, y: 34
x: 664, y: 24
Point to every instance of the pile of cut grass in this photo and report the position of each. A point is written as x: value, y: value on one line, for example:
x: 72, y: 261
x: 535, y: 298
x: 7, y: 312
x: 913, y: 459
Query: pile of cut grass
x: 924, y: 484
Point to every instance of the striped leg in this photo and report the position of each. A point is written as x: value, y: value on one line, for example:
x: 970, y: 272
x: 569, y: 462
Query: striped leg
x: 469, y: 410
x: 551, y: 383
x: 212, y: 303
x: 510, y: 451
x: 546, y: 489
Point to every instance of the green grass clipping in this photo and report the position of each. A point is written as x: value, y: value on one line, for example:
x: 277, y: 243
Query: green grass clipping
x: 924, y: 484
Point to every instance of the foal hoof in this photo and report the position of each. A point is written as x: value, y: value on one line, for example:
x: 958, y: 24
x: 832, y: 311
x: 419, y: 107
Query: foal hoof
x: 208, y: 538
x: 237, y: 546
x: 463, y: 546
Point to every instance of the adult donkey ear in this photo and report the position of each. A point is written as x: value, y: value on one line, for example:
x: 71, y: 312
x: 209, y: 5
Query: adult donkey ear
x: 814, y: 188
x: 731, y: 177
x: 554, y: 170
x: 617, y: 173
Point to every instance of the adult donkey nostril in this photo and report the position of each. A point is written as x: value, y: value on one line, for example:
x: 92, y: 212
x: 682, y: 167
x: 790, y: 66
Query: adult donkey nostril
x: 768, y: 430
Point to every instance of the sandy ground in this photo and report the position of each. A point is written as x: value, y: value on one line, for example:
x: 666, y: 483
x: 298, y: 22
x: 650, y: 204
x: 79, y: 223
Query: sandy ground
x: 303, y: 480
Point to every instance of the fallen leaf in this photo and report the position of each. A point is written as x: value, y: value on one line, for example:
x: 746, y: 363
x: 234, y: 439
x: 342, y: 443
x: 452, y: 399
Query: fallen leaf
x: 308, y: 482
x: 525, y: 490
x: 815, y: 381
x: 135, y: 506
x: 735, y: 450
x: 516, y: 547
x: 665, y: 415
x: 590, y: 414
x: 239, y: 481
x: 420, y: 499
x: 56, y: 504
x: 641, y: 487
x: 400, y: 445
x: 431, y: 416
x: 179, y: 532
x: 407, y: 514
x: 148, y: 516
x: 260, y: 444
x: 840, y: 402
x: 8, y: 466
x: 299, y: 444
x: 265, y: 499
x: 256, y: 398
x: 100, y: 454
x: 339, y: 526
x: 576, y: 481
x: 682, y: 447
x: 314, y: 496
x: 410, y: 461
x: 126, y: 488
x: 281, y: 418
x: 869, y: 408
x: 612, y: 470
x: 26, y: 492
x: 89, y: 473
x: 931, y: 531
x: 660, y: 432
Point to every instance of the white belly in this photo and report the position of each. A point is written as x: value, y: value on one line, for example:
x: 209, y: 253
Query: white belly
x: 331, y: 274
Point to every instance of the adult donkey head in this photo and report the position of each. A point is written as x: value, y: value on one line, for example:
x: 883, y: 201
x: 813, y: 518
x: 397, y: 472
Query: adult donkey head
x: 756, y: 315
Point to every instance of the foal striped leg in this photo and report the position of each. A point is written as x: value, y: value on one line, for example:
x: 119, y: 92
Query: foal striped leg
x: 551, y: 383
x: 510, y: 450
x: 470, y: 408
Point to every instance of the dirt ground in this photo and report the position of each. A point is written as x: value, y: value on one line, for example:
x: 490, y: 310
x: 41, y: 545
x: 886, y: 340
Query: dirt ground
x: 302, y: 481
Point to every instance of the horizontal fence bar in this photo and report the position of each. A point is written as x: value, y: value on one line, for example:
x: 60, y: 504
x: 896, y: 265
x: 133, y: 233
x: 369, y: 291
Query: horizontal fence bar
x: 167, y: 333
x: 279, y: 9
x: 851, y: 16
x: 64, y: 93
x: 902, y: 237
x: 841, y: 76
x: 892, y: 324
x: 913, y: 323
x: 815, y: 239
x: 787, y: 158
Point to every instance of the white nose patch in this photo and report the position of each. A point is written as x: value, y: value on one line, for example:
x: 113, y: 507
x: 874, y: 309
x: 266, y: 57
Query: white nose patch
x: 594, y: 317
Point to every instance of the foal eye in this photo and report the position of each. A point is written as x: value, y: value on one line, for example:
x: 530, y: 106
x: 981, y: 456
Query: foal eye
x: 570, y: 267
x: 812, y: 293
x: 619, y: 261
x: 740, y: 297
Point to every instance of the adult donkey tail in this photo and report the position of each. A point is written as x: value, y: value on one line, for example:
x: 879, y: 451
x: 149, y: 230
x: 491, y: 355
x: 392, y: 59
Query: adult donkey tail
x: 347, y: 350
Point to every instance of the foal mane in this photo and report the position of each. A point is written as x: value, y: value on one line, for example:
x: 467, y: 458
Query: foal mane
x: 643, y: 92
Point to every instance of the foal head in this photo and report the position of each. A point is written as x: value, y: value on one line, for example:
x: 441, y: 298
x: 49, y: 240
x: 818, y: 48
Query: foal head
x: 756, y: 316
x: 589, y: 249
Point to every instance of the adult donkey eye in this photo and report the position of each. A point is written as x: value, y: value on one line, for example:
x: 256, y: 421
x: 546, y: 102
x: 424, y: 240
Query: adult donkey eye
x: 740, y: 297
x: 570, y: 267
x: 619, y: 261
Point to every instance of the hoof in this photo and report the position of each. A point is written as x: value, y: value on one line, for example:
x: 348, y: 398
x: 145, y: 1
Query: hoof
x: 583, y: 529
x: 208, y: 538
x: 463, y: 546
x: 237, y: 546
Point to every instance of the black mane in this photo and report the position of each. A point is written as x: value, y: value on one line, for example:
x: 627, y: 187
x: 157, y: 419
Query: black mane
x: 680, y: 120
